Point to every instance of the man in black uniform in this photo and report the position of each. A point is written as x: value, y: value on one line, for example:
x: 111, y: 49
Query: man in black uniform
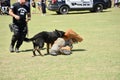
x: 43, y: 6
x: 19, y: 11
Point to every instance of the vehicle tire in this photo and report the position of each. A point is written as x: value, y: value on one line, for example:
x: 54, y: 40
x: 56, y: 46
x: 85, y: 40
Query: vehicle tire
x: 64, y: 10
x: 98, y: 8
x: 92, y: 10
x: 58, y: 12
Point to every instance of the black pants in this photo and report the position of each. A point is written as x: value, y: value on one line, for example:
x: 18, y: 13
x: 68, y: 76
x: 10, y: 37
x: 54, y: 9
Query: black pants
x: 43, y: 8
x: 19, y: 35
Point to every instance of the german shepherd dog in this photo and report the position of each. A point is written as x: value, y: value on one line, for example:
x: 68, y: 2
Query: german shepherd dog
x: 44, y: 37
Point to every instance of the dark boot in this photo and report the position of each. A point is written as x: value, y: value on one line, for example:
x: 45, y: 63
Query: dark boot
x: 11, y: 48
x: 17, y: 50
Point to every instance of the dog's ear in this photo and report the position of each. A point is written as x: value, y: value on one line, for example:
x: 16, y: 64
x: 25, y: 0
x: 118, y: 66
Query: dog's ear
x: 56, y: 30
x: 60, y: 33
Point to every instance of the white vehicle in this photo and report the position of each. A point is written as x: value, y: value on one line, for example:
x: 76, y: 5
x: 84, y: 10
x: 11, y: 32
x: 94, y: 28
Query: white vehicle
x: 64, y: 6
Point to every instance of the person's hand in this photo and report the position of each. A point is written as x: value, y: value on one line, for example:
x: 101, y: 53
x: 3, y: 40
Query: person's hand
x: 17, y: 17
x: 28, y: 19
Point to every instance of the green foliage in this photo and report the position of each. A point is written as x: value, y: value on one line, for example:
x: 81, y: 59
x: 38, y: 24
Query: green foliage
x: 96, y: 58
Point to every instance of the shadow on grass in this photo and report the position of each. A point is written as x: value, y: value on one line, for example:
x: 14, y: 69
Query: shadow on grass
x: 29, y: 50
x: 81, y: 12
x: 74, y: 50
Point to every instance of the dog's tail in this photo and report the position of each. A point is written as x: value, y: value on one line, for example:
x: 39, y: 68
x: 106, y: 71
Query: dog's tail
x: 28, y: 39
x: 31, y: 39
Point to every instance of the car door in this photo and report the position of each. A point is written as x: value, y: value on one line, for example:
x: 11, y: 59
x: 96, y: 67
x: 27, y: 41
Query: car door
x: 80, y: 3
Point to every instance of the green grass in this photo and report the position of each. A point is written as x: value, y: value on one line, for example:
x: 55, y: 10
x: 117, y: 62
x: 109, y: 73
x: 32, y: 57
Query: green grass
x: 96, y: 58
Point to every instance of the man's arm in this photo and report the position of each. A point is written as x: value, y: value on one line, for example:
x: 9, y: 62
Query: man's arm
x: 28, y: 17
x: 13, y: 15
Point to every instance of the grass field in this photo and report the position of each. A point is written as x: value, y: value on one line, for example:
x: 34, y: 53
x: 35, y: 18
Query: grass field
x: 96, y: 58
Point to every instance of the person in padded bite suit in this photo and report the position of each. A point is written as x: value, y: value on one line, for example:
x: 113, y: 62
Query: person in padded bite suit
x: 64, y: 45
x: 19, y: 11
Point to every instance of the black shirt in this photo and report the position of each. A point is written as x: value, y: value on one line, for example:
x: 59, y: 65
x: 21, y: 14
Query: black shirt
x: 43, y: 1
x: 20, y: 10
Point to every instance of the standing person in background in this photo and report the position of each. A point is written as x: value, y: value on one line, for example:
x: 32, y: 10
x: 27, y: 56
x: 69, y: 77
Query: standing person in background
x: 39, y: 5
x: 5, y: 5
x: 19, y: 11
x: 33, y: 4
x: 43, y: 6
x: 116, y: 3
